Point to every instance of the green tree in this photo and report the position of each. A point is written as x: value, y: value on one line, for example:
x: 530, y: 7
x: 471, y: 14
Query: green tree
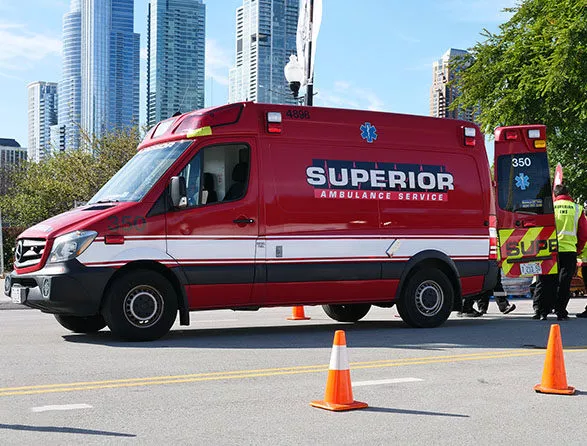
x: 534, y: 71
x: 37, y: 191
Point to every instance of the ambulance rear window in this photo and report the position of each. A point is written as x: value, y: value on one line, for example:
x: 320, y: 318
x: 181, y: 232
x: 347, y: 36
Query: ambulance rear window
x: 523, y: 183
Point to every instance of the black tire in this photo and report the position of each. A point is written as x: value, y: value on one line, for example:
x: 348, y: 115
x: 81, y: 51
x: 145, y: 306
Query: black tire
x: 81, y: 324
x: 427, y: 299
x: 347, y: 313
x: 140, y: 306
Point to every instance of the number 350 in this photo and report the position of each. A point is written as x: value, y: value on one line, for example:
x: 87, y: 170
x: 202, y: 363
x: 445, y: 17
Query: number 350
x: 521, y: 162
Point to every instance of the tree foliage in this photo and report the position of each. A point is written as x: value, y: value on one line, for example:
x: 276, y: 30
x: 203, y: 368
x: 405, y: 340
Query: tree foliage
x: 41, y: 190
x: 534, y: 71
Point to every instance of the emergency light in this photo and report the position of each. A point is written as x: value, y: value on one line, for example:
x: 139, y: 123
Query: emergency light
x: 470, y: 134
x: 162, y: 127
x: 273, y: 122
x: 200, y: 123
x: 511, y: 135
x: 535, y: 135
x: 492, y: 237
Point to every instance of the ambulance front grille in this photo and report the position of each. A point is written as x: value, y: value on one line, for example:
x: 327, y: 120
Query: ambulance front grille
x: 28, y: 252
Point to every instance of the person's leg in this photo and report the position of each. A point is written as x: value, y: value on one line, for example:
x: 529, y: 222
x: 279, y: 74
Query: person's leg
x: 567, y: 266
x: 544, y: 292
x: 467, y: 308
x: 483, y: 302
x: 504, y: 304
x: 501, y: 298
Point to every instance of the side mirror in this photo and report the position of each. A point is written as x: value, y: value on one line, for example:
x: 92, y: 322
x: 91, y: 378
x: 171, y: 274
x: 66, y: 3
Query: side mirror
x: 178, y: 190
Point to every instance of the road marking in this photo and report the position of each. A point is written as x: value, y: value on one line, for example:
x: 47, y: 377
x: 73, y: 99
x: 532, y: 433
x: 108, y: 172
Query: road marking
x: 244, y: 374
x: 61, y: 407
x: 386, y: 381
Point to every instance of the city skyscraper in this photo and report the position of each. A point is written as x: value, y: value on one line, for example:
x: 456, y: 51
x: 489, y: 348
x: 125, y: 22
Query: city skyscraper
x: 442, y: 95
x: 99, y: 89
x: 70, y: 90
x: 42, y: 114
x: 265, y: 38
x: 176, y: 51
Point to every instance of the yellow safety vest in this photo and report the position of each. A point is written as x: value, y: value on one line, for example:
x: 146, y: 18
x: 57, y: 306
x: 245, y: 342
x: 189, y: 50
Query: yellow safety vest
x: 566, y: 216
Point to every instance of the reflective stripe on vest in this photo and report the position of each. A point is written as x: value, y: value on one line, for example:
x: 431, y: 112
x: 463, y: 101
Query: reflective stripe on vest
x: 566, y: 215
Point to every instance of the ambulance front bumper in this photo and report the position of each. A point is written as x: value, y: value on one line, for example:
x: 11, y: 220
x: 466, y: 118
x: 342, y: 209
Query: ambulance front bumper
x: 65, y: 288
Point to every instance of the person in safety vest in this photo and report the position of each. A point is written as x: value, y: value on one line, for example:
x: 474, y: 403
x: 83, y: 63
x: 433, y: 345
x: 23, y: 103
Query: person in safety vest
x: 583, y: 258
x: 552, y: 291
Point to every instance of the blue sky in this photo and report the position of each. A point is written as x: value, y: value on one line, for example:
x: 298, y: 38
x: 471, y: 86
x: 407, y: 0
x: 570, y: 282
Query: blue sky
x: 373, y: 54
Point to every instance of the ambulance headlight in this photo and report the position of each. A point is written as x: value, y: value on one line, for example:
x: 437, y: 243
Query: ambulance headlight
x: 69, y: 246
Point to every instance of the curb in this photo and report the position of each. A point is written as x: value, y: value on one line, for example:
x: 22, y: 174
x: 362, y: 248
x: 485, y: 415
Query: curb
x: 10, y: 306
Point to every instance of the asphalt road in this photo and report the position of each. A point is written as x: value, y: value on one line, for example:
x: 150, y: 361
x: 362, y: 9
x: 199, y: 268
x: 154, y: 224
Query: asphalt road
x: 247, y: 378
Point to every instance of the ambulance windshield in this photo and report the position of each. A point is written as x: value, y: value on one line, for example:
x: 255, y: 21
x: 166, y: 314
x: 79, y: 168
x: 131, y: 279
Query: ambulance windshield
x: 523, y: 183
x: 142, y: 171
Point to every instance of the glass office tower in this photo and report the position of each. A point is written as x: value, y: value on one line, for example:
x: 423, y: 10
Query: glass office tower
x: 176, y: 46
x: 265, y: 38
x: 42, y: 114
x: 99, y: 89
x: 70, y: 90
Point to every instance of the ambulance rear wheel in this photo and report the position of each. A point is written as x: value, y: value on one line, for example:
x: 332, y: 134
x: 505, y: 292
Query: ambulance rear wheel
x: 79, y: 324
x: 427, y: 299
x: 141, y: 305
x: 347, y: 313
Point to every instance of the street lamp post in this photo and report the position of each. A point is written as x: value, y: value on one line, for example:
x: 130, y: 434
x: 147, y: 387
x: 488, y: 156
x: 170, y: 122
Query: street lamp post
x: 309, y: 62
x: 300, y: 72
x: 294, y: 74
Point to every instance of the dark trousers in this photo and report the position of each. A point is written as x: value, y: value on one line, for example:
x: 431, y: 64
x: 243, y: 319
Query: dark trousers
x: 501, y: 301
x: 553, y: 291
x: 483, y: 300
x: 499, y: 296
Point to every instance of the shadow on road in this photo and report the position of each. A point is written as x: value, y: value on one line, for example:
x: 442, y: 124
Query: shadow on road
x: 497, y: 333
x: 62, y: 430
x: 413, y: 412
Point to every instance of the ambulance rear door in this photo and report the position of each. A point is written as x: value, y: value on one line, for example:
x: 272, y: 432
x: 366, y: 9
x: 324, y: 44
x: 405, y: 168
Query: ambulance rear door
x: 524, y: 206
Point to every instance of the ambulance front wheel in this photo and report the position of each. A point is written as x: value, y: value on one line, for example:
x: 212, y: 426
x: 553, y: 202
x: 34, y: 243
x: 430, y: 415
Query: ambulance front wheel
x: 427, y: 299
x: 347, y: 313
x: 140, y: 305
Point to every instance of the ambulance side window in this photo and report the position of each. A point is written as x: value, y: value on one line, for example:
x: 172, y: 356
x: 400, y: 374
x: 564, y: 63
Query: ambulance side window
x: 216, y: 174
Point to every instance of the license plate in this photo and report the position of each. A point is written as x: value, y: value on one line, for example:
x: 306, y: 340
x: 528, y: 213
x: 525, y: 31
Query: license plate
x: 530, y: 269
x: 18, y: 294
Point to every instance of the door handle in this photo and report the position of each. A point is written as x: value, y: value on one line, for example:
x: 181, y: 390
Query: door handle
x: 243, y: 221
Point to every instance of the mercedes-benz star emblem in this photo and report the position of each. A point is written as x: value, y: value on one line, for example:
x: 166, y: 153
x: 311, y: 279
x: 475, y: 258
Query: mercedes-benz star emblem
x: 18, y: 251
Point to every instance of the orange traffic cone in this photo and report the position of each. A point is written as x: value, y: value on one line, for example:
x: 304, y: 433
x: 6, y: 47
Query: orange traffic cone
x: 339, y: 391
x: 297, y: 314
x: 554, y: 376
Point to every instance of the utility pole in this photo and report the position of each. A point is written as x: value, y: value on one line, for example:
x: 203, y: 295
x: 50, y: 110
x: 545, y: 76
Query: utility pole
x: 309, y: 71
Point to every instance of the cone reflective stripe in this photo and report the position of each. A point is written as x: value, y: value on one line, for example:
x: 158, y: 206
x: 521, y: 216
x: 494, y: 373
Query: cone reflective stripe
x: 297, y: 314
x: 554, y: 375
x: 339, y: 391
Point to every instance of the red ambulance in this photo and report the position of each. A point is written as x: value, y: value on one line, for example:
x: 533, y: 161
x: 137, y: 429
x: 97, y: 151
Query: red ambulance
x: 256, y: 205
